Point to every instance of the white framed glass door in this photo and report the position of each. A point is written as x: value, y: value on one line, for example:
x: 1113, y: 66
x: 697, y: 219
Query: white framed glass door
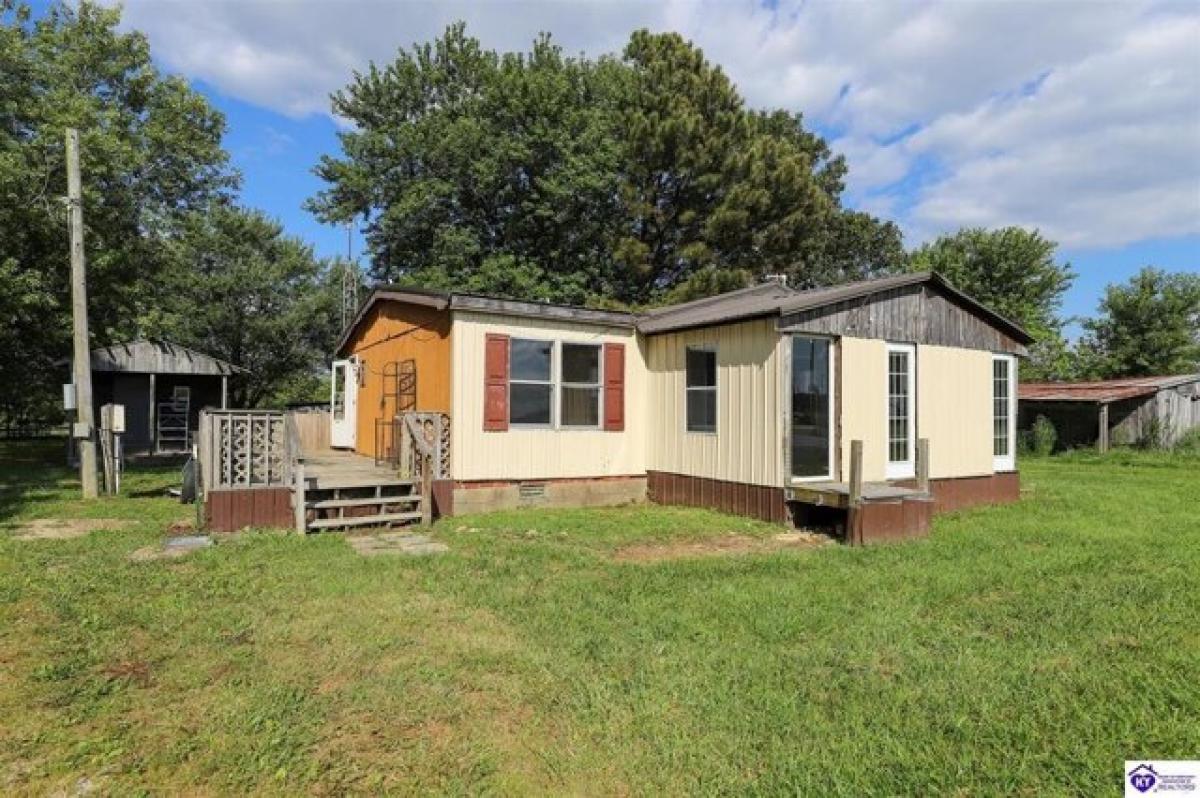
x: 343, y: 403
x: 1004, y: 413
x: 811, y: 428
x: 901, y: 411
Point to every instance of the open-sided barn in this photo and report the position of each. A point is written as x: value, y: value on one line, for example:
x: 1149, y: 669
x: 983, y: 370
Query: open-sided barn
x: 1101, y: 413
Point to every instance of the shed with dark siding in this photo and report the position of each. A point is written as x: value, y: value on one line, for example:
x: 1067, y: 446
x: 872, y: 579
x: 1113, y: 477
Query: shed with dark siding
x: 150, y: 378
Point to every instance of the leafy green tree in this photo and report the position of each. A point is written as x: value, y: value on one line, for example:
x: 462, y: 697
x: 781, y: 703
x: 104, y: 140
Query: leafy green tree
x: 1149, y: 326
x: 239, y: 289
x: 1014, y: 272
x: 476, y: 170
x: 613, y: 180
x: 151, y: 151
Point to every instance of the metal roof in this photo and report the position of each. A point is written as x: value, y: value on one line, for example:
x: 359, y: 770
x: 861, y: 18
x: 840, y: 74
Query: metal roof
x: 765, y: 299
x: 1100, y: 391
x: 771, y: 299
x: 480, y: 303
x: 158, y: 357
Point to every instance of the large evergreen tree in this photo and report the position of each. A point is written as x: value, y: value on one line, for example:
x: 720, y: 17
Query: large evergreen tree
x: 151, y: 151
x: 608, y: 180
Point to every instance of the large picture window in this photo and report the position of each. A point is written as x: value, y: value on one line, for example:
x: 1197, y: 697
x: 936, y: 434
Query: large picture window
x: 701, y: 389
x: 1003, y: 406
x: 531, y: 383
x: 812, y: 408
x: 579, y: 398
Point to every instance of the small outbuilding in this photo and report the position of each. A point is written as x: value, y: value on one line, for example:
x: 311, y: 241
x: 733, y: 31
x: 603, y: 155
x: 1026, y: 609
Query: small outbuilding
x: 1106, y: 412
x: 162, y: 386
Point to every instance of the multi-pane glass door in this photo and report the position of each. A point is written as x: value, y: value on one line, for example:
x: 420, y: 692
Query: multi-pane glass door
x: 901, y: 411
x: 812, y: 408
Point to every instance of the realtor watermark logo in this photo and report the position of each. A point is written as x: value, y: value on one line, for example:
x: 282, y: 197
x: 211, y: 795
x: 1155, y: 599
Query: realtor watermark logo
x: 1154, y: 776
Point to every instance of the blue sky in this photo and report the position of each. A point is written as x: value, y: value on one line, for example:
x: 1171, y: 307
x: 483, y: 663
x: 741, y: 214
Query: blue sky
x: 1079, y: 118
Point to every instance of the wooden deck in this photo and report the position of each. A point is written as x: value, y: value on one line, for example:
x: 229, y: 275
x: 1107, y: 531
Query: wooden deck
x: 332, y: 468
x: 837, y: 494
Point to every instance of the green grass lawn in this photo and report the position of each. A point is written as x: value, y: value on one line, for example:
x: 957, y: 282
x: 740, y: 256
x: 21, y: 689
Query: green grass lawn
x: 1020, y: 650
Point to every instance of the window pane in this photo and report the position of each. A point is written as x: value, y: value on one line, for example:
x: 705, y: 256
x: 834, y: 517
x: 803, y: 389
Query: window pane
x: 530, y: 360
x: 580, y: 407
x: 898, y: 409
x: 581, y: 363
x: 810, y: 407
x: 701, y: 368
x: 702, y: 410
x: 528, y: 404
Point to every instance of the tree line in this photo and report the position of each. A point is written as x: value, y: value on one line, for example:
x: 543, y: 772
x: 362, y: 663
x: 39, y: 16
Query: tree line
x: 626, y: 180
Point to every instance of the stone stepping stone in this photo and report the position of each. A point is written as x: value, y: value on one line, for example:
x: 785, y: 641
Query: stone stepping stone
x: 172, y: 548
x: 396, y: 543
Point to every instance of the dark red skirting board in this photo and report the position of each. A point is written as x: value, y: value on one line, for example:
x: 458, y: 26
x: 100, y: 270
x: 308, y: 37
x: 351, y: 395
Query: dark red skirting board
x: 231, y: 510
x: 738, y: 498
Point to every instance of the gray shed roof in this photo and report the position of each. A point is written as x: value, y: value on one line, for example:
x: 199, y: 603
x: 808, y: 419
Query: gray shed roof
x: 159, y: 357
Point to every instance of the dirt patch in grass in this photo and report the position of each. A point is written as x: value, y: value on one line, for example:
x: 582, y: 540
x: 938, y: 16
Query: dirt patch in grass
x: 720, y: 546
x: 66, y: 528
x: 132, y: 671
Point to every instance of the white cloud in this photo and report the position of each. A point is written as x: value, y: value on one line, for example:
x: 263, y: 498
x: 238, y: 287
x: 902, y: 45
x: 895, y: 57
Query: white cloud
x: 1081, y: 118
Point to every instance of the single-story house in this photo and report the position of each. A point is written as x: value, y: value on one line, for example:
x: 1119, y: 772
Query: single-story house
x: 1123, y: 411
x: 162, y: 386
x: 747, y: 402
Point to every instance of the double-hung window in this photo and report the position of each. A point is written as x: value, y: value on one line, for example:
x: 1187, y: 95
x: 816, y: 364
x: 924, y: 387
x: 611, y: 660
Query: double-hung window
x: 579, y: 394
x: 701, y: 387
x: 531, y: 383
x: 1004, y: 404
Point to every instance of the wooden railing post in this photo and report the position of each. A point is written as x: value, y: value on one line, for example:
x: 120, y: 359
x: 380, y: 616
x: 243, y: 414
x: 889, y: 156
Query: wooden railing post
x: 298, y: 500
x: 427, y: 489
x: 923, y: 465
x: 854, y: 501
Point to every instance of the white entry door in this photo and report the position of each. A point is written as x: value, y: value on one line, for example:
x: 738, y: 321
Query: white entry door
x: 343, y: 403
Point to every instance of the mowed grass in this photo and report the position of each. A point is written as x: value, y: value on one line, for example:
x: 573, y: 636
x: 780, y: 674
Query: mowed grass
x: 1020, y: 650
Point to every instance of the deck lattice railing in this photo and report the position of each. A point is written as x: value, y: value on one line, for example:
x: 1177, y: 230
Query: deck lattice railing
x: 243, y: 449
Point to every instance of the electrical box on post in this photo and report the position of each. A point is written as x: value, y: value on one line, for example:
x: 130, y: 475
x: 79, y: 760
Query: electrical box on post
x: 69, y: 396
x: 112, y: 418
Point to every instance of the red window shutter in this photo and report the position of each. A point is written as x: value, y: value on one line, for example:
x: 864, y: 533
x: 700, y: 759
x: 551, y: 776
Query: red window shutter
x: 614, y: 387
x: 495, y: 383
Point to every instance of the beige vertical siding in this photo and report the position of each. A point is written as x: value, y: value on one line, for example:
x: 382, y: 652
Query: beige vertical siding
x: 748, y: 444
x: 537, y: 453
x: 862, y: 380
x: 954, y: 409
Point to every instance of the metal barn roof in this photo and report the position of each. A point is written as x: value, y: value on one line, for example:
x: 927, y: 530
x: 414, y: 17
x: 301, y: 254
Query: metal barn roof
x: 1101, y: 391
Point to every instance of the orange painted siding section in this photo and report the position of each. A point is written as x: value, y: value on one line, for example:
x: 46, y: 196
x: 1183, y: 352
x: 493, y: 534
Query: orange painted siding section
x: 394, y: 332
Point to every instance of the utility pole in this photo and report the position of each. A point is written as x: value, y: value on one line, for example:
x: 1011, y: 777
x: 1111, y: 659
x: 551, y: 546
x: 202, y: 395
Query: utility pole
x: 82, y: 360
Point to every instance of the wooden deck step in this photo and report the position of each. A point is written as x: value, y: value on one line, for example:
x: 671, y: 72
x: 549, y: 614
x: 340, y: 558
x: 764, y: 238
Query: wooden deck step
x: 328, y: 504
x: 336, y: 483
x: 364, y: 520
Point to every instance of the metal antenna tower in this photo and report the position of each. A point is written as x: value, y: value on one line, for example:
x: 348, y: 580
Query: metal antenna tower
x: 349, y: 279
